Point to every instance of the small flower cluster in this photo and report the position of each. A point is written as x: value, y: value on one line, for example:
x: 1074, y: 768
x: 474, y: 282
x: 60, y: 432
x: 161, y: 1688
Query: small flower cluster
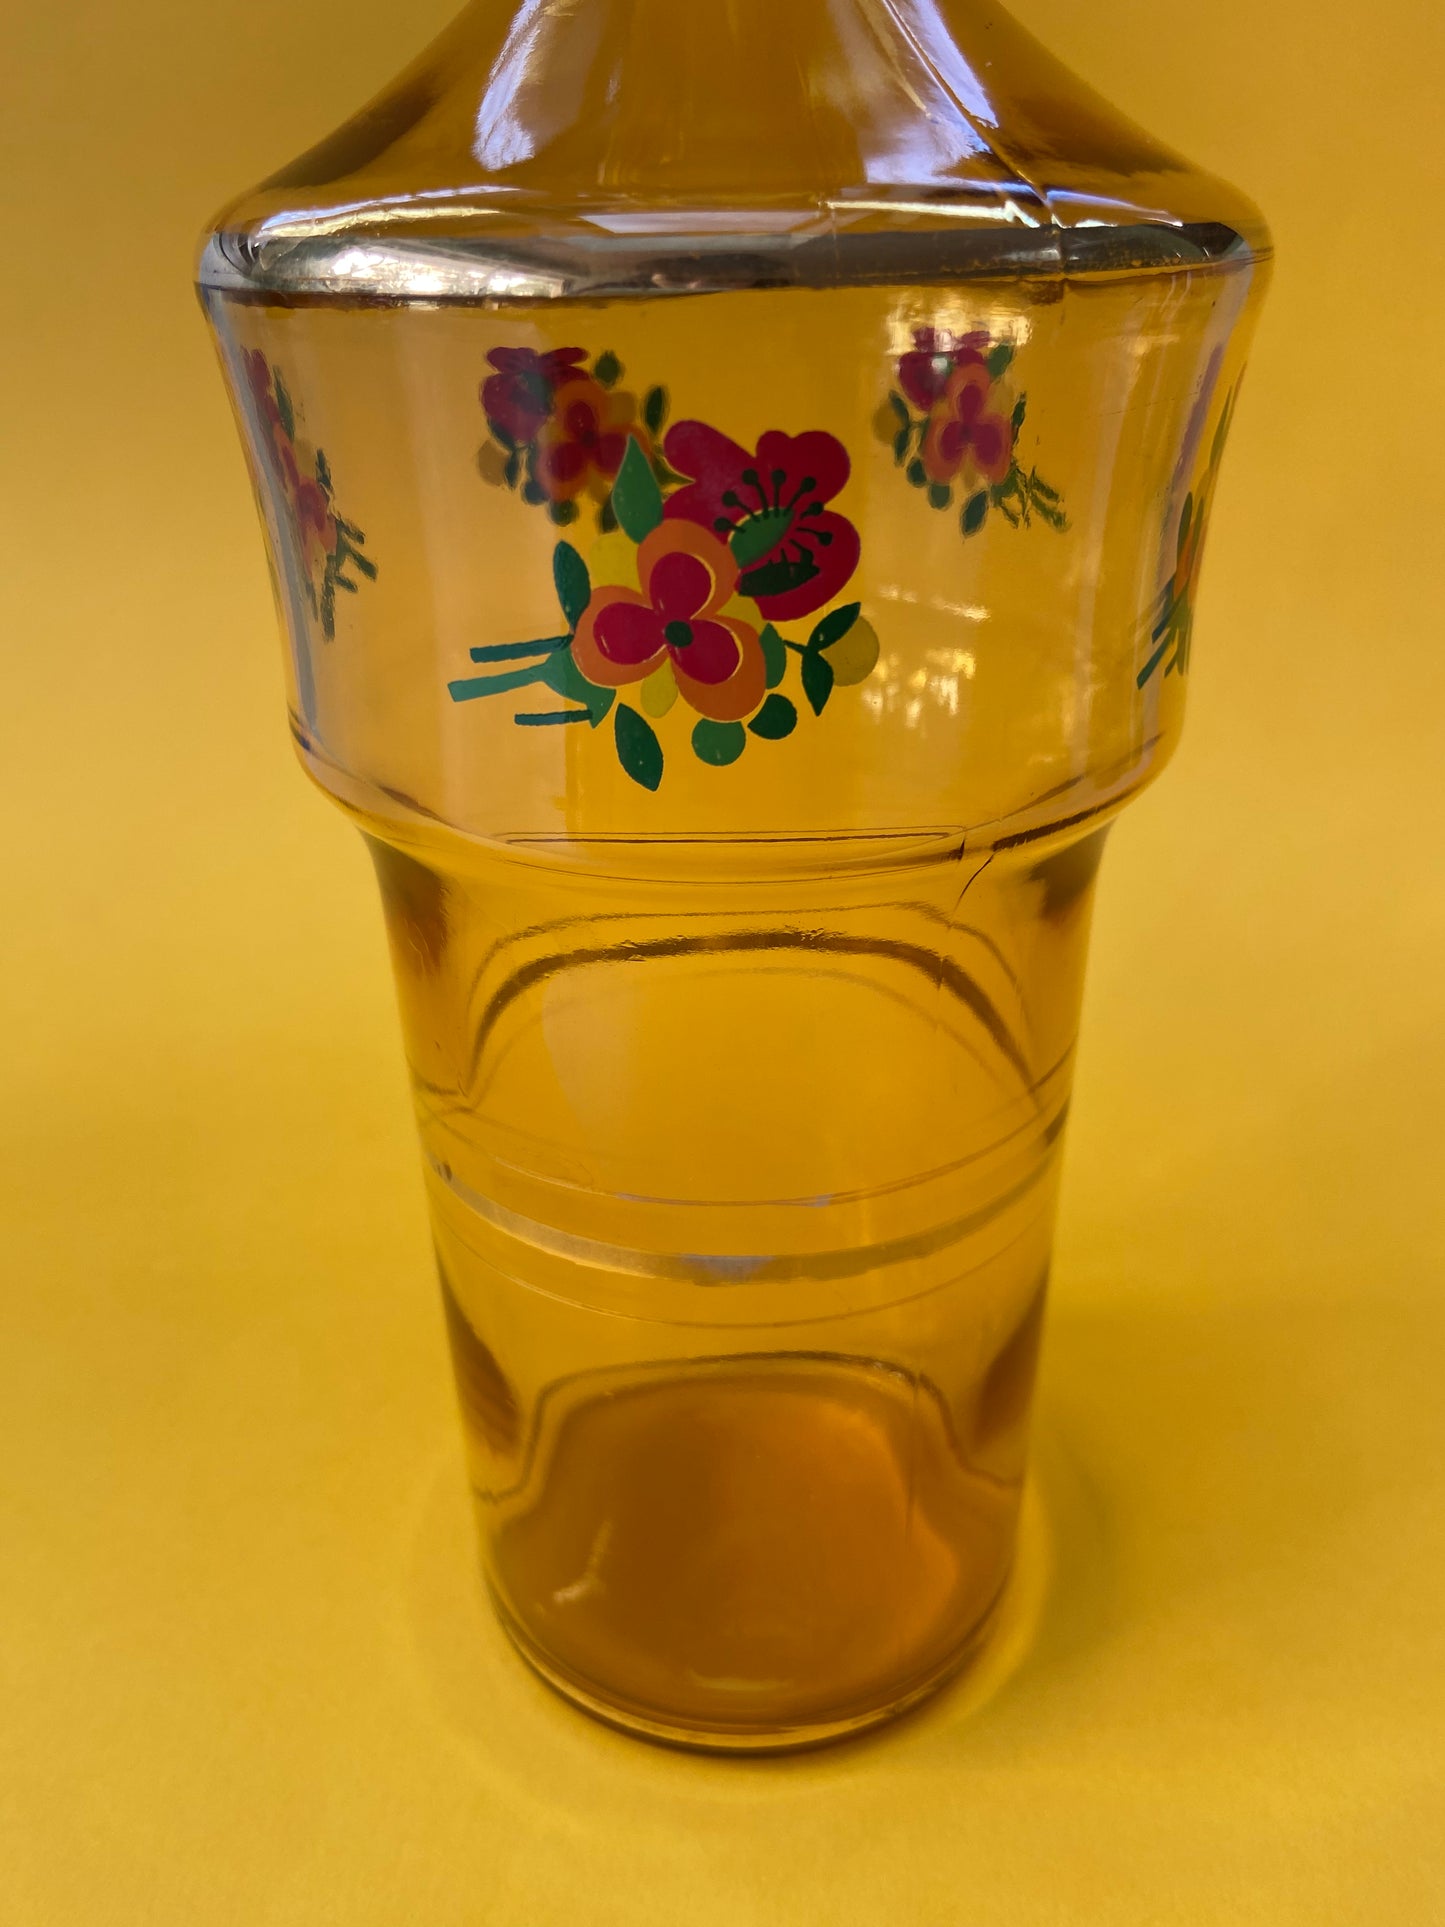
x: 1171, y: 618
x: 326, y: 544
x: 559, y: 430
x: 702, y: 551
x: 954, y: 423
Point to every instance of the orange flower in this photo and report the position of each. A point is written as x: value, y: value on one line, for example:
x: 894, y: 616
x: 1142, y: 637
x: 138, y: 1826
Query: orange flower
x: 964, y: 433
x: 687, y: 577
x: 583, y: 442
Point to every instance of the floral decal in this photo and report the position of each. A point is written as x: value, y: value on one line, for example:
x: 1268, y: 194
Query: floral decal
x: 794, y: 553
x: 559, y: 432
x: 954, y: 423
x: 702, y: 549
x: 676, y: 619
x: 326, y: 544
x: 1171, y: 617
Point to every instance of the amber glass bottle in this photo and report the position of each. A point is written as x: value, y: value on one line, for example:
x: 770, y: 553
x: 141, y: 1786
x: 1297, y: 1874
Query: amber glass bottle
x: 735, y: 480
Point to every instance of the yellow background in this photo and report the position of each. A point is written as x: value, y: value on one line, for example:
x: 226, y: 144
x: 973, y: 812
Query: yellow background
x: 245, y: 1673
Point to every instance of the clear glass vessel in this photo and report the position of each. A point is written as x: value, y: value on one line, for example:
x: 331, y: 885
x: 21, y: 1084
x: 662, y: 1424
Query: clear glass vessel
x: 735, y: 481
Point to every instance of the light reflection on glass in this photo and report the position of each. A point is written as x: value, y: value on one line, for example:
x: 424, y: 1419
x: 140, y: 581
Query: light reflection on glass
x: 926, y: 29
x: 532, y: 94
x: 965, y: 208
x: 969, y: 611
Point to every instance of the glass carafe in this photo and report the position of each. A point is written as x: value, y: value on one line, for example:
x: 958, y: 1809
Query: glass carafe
x: 735, y: 481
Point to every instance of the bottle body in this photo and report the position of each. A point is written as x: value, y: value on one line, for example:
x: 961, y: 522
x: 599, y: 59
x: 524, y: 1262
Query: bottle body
x: 742, y: 1182
x: 734, y: 690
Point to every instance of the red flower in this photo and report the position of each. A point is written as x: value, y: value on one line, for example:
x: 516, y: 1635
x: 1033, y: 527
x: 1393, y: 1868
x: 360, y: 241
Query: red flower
x: 585, y: 438
x: 518, y: 398
x: 687, y: 577
x: 793, y: 553
x: 258, y: 374
x: 309, y: 503
x: 964, y: 433
x: 934, y: 356
x: 314, y: 521
x: 285, y: 452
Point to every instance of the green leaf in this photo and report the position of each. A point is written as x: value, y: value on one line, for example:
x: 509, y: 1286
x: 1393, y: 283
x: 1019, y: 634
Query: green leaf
x: 323, y: 476
x: 834, y: 626
x: 500, y: 435
x: 776, y: 719
x: 759, y: 535
x: 975, y: 509
x: 900, y: 409
x: 638, y: 749
x: 817, y: 680
x: 512, y: 472
x: 775, y: 654
x: 916, y: 473
x: 900, y: 443
x: 1216, y: 448
x: 284, y: 406
x: 606, y: 517
x: 1040, y: 489
x: 533, y: 491
x: 561, y: 673
x: 1020, y: 410
x: 562, y: 513
x: 363, y: 562
x: 1186, y: 516
x: 636, y: 496
x: 719, y: 743
x: 574, y: 585
x: 939, y: 494
x: 654, y: 408
x: 999, y: 357
x: 607, y: 368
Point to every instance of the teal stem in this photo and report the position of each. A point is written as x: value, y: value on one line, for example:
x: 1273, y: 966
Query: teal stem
x: 536, y: 719
x: 509, y: 651
x: 1172, y: 609
x: 1154, y: 661
x: 471, y: 686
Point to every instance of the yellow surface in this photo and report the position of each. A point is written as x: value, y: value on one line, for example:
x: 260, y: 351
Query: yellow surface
x: 245, y: 1672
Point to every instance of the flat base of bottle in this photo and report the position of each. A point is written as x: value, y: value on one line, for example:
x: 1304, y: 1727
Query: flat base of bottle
x: 645, y: 1724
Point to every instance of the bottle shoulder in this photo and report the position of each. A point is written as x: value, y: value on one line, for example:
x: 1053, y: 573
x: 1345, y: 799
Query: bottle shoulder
x: 612, y: 147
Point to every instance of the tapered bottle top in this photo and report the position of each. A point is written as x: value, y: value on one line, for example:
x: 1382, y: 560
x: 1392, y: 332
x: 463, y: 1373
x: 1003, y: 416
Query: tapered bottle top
x: 564, y: 148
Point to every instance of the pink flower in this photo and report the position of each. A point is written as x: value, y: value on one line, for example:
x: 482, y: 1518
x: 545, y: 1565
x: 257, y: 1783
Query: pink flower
x: 923, y: 372
x: 793, y: 553
x: 258, y: 375
x: 518, y: 398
